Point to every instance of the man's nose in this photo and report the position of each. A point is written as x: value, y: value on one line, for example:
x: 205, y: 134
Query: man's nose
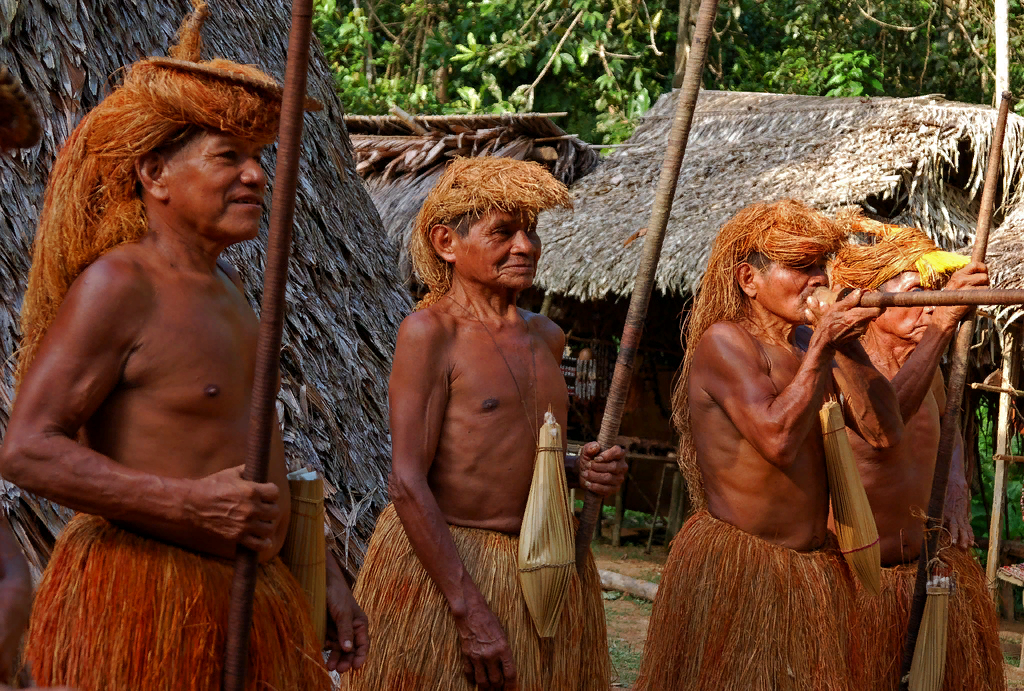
x: 253, y: 175
x: 522, y: 243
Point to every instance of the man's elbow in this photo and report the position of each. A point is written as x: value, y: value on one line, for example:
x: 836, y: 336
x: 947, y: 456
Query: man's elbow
x: 888, y: 435
x: 15, y: 461
x: 401, y: 487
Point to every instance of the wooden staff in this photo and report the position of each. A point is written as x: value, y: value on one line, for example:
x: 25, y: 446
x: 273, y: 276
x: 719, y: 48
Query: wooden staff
x: 954, y: 398
x: 933, y: 298
x: 268, y: 348
x: 637, y: 313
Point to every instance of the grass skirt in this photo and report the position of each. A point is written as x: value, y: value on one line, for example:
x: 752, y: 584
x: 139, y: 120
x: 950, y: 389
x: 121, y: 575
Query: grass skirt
x: 119, y: 612
x: 974, y: 659
x: 415, y: 645
x: 737, y: 613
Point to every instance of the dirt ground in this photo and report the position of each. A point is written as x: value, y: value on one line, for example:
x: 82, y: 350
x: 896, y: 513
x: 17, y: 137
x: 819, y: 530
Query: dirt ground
x: 627, y: 616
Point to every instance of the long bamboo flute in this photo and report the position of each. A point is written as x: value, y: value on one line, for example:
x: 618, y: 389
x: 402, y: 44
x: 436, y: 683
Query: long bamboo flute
x: 268, y: 348
x: 637, y: 313
x: 936, y: 298
x: 954, y: 399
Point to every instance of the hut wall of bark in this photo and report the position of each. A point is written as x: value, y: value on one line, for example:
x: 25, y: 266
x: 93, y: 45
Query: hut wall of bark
x: 345, y: 299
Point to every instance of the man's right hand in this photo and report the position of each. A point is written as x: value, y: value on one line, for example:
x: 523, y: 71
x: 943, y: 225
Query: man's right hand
x: 971, y: 277
x: 235, y: 509
x: 842, y: 322
x: 486, y: 656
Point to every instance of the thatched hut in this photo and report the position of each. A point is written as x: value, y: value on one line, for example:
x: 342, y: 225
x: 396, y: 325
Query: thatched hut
x: 345, y: 300
x: 401, y: 158
x: 1006, y: 262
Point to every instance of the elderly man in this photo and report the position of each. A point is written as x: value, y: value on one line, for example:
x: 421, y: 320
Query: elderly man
x: 472, y: 378
x: 135, y: 378
x: 755, y: 594
x: 905, y: 344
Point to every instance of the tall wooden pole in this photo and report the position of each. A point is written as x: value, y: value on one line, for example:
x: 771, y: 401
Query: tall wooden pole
x: 268, y: 349
x: 637, y: 313
x: 954, y: 399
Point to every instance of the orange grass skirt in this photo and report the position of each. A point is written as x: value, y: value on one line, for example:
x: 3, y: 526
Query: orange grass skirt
x: 737, y: 613
x: 974, y: 659
x: 415, y: 645
x: 119, y: 612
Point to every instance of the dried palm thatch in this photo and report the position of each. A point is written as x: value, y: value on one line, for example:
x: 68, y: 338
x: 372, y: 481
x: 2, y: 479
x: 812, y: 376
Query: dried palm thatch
x: 346, y: 301
x: 1006, y: 267
x: 547, y: 554
x: 401, y: 165
x: 918, y: 162
x: 854, y: 520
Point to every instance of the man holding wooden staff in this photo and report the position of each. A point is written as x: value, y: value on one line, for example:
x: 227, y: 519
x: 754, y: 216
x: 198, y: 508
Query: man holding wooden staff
x: 135, y: 374
x: 755, y: 594
x: 472, y: 378
x: 906, y: 344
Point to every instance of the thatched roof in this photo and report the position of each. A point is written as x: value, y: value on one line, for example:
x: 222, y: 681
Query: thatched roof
x: 400, y: 165
x: 920, y: 161
x: 345, y: 299
x: 1005, y: 260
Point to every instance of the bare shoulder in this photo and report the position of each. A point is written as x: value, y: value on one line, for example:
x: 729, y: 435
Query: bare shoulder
x: 727, y: 343
x: 547, y: 330
x: 232, y: 273
x: 118, y: 279
x: 429, y: 328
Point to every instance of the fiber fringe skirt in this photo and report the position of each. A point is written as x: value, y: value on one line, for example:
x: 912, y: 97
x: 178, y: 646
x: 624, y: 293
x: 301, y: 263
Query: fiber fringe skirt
x: 974, y: 659
x: 415, y: 644
x: 119, y: 612
x: 737, y: 613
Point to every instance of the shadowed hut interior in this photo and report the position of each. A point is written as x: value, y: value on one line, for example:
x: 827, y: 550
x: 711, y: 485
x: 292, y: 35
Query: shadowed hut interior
x: 345, y: 299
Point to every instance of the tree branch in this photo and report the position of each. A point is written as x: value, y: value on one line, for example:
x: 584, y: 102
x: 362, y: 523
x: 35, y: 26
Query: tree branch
x: 650, y: 26
x: 556, y: 51
x: 896, y: 27
x: 970, y: 42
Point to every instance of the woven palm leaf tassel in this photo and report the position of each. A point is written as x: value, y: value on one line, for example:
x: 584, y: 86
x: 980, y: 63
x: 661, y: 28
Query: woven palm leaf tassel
x: 305, y: 549
x: 928, y: 669
x: 546, y: 541
x: 851, y: 512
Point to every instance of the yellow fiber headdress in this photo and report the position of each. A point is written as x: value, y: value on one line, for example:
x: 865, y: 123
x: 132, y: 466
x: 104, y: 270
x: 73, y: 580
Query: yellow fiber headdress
x: 91, y: 204
x: 478, y: 185
x: 890, y: 251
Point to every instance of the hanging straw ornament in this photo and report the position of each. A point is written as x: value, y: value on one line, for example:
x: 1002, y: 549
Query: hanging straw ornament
x: 546, y: 541
x: 305, y: 548
x: 851, y: 512
x: 928, y: 670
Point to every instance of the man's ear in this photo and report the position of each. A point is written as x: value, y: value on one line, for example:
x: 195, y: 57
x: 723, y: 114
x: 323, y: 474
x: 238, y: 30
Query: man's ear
x: 151, y: 170
x: 747, y: 276
x: 442, y: 239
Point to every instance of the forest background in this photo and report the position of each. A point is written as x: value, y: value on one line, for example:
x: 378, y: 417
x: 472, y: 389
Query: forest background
x: 605, y: 62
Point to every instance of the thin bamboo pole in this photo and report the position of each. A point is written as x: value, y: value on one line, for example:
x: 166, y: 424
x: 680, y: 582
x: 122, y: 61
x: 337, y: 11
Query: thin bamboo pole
x: 954, y: 399
x: 637, y: 313
x: 932, y: 298
x: 268, y: 348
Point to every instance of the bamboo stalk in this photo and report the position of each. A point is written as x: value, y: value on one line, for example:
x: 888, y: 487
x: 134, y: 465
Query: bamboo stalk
x: 305, y: 549
x: 932, y: 298
x: 637, y: 313
x: 268, y: 347
x: 954, y: 399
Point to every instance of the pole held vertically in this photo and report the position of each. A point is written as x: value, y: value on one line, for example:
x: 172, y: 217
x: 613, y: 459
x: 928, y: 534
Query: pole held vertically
x: 635, y: 317
x: 268, y: 348
x: 954, y: 400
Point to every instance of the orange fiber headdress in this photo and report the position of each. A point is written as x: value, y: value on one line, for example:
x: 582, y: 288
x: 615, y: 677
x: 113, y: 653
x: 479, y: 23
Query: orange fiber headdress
x: 785, y: 232
x: 91, y: 203
x: 476, y: 186
x: 890, y: 250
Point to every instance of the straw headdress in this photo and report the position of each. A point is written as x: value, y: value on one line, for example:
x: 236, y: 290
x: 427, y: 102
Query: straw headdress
x: 887, y: 251
x: 786, y: 232
x: 19, y: 126
x: 91, y: 204
x: 476, y: 186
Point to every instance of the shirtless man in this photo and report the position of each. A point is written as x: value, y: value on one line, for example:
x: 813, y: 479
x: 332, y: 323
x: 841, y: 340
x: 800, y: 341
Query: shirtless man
x: 134, y: 397
x: 755, y: 593
x: 472, y: 378
x: 906, y: 344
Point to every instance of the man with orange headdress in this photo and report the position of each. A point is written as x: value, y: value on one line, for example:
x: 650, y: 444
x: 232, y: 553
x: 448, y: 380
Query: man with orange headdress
x: 472, y: 377
x: 905, y: 344
x: 755, y: 594
x: 135, y: 376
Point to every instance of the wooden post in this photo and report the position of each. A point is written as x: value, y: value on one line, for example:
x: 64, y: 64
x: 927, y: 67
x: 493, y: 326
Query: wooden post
x: 620, y: 512
x: 1011, y: 343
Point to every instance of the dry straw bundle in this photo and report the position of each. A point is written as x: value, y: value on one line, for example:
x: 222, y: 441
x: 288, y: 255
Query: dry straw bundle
x: 305, y: 548
x: 547, y: 554
x: 928, y: 669
x: 854, y: 521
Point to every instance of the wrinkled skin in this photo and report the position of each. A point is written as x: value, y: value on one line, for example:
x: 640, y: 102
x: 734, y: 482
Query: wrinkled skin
x: 755, y: 390
x: 906, y: 344
x: 154, y: 350
x: 471, y: 379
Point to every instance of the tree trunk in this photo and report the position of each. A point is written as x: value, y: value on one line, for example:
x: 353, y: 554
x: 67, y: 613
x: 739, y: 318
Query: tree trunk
x: 644, y: 590
x: 1002, y: 50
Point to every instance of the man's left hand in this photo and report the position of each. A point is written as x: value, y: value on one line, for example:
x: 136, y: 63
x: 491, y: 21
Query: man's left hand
x: 602, y: 472
x: 958, y: 517
x: 348, y: 630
